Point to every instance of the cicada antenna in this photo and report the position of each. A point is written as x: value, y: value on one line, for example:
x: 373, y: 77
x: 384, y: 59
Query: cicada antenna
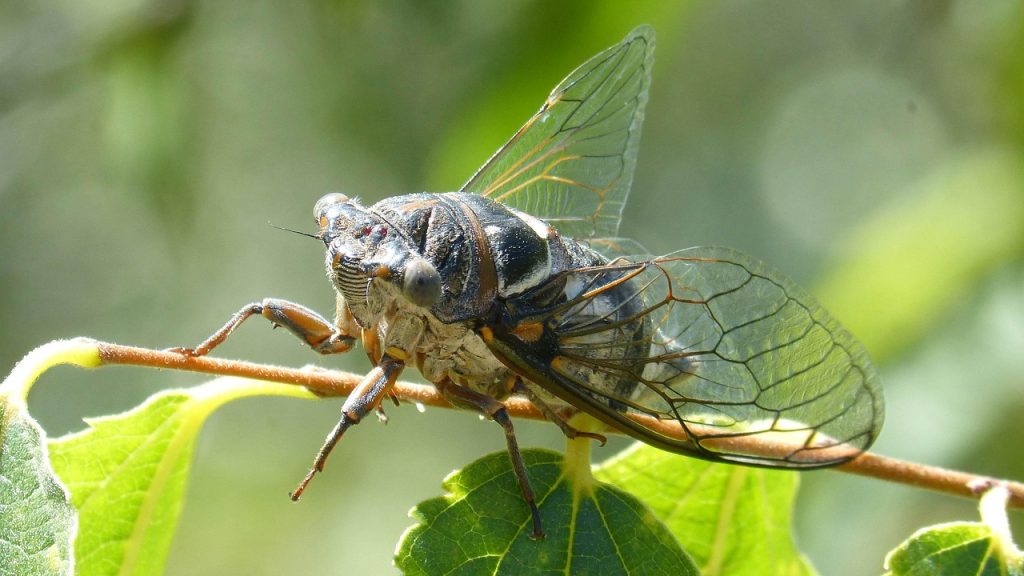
x: 272, y: 225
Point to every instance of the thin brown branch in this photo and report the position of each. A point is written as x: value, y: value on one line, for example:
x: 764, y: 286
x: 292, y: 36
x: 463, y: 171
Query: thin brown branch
x: 333, y: 383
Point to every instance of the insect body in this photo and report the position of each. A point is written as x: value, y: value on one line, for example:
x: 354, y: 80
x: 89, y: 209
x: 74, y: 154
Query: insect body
x: 425, y: 271
x: 517, y: 285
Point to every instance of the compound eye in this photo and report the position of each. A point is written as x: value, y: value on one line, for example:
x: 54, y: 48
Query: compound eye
x: 422, y: 284
x: 321, y: 206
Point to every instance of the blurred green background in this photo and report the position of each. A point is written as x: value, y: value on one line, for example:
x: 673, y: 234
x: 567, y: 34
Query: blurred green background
x: 871, y: 150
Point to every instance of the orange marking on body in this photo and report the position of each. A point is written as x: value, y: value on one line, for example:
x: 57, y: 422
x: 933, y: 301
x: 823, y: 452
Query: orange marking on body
x: 486, y: 334
x: 371, y: 343
x: 487, y: 269
x: 560, y: 364
x: 409, y: 207
x: 510, y: 383
x: 397, y: 353
x: 529, y: 331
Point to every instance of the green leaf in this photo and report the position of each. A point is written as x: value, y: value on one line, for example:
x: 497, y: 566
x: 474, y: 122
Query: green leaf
x: 954, y: 548
x: 483, y: 525
x: 127, y: 473
x: 37, y: 523
x: 732, y: 519
x: 981, y: 548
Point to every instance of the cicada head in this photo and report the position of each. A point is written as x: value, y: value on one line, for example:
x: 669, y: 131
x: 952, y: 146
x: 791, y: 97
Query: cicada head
x: 363, y: 247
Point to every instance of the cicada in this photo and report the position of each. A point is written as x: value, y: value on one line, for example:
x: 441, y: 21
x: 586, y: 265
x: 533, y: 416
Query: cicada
x: 518, y: 285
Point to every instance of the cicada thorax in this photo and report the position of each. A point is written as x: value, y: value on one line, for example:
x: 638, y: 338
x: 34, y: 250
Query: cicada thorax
x: 483, y: 250
x: 480, y: 252
x: 506, y: 272
x: 503, y: 271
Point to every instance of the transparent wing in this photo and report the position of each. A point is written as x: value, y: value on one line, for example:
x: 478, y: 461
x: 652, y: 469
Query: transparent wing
x: 710, y: 340
x: 572, y: 163
x: 620, y: 248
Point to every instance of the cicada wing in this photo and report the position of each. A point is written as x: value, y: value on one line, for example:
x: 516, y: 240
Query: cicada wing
x: 709, y: 341
x: 572, y: 163
x: 619, y: 249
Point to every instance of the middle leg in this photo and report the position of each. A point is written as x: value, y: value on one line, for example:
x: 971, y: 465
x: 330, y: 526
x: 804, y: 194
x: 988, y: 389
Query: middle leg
x: 495, y: 410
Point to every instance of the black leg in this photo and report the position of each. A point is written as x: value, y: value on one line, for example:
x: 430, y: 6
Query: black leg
x: 550, y: 413
x: 496, y: 411
x: 366, y: 397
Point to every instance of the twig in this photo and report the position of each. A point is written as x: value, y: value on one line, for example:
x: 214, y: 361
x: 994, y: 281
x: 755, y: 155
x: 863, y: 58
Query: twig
x: 334, y: 383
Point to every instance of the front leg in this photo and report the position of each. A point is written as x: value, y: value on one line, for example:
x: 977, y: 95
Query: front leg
x: 366, y: 396
x: 320, y: 334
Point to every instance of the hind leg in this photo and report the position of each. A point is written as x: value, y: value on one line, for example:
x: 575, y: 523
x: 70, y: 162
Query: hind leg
x: 551, y: 414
